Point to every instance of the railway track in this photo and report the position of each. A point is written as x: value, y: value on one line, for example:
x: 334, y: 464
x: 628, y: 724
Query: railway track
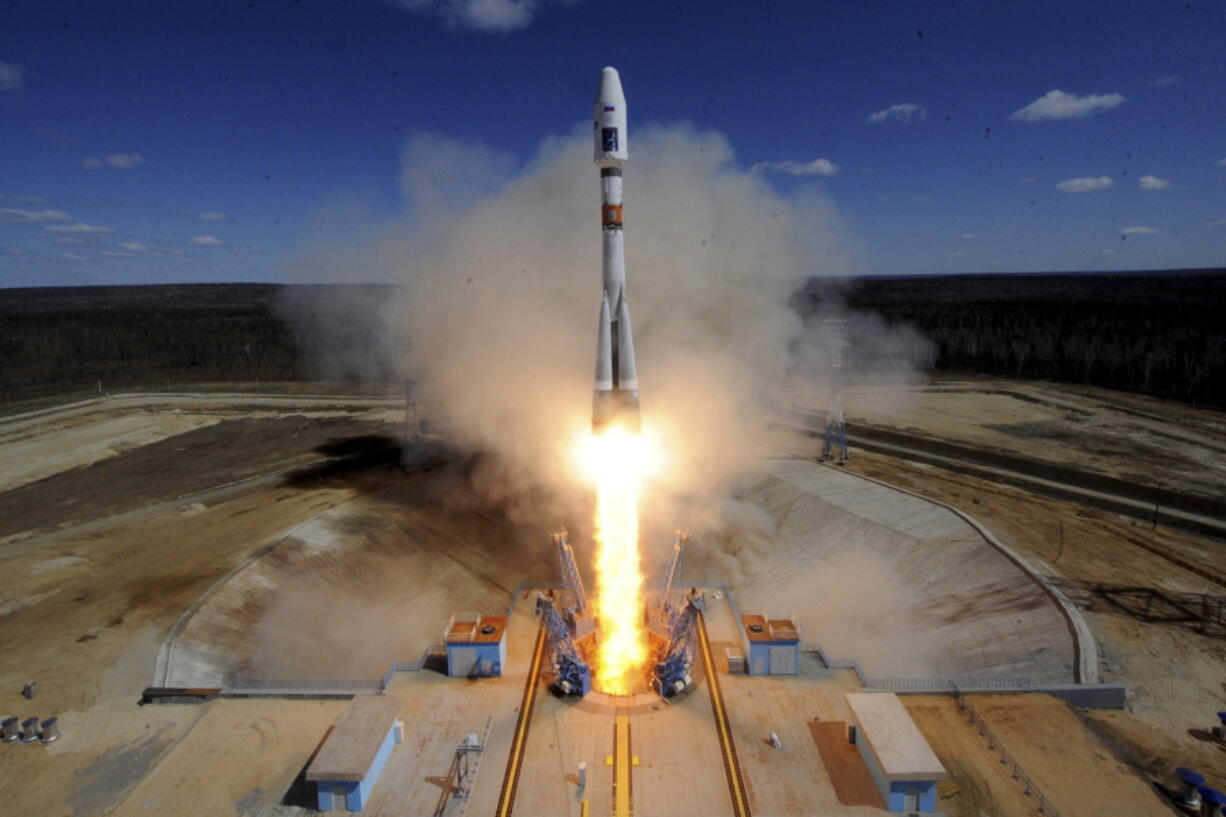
x: 727, y: 746
x: 510, y: 782
x: 621, y: 759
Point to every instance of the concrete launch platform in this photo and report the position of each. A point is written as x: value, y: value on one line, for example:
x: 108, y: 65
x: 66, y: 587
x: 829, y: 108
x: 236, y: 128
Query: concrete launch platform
x: 680, y: 771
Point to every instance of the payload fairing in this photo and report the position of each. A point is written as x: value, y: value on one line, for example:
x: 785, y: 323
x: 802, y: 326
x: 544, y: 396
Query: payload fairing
x: 616, y: 397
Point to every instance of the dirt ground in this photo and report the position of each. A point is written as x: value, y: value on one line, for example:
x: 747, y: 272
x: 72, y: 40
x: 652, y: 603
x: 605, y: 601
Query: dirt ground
x: 112, y: 527
x: 1136, y: 438
x: 1047, y: 740
x: 1160, y: 628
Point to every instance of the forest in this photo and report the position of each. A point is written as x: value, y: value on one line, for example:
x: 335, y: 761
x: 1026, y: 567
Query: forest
x: 1157, y: 333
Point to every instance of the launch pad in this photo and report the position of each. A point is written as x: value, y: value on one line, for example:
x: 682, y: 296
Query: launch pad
x: 621, y: 754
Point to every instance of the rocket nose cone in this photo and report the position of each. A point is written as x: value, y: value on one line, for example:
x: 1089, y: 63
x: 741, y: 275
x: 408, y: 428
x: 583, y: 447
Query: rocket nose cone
x: 610, y: 88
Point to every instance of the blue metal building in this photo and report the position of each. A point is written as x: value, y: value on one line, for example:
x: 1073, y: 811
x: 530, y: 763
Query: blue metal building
x: 348, y: 764
x: 901, y: 762
x: 476, y: 645
x: 772, y: 645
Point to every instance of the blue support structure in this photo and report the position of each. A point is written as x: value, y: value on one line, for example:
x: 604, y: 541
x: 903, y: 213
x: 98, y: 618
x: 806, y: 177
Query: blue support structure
x: 672, y: 672
x: 572, y: 676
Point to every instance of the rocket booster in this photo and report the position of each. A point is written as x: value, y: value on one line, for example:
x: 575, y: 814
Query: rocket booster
x: 616, y: 397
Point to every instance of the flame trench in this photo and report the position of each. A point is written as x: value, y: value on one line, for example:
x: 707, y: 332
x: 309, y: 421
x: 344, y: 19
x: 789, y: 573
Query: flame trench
x: 617, y: 461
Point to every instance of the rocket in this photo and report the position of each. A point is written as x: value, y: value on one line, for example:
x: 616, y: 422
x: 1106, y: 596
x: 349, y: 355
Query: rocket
x: 616, y: 397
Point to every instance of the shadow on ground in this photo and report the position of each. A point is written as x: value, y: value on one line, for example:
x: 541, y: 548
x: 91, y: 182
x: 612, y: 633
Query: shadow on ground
x: 349, y: 459
x: 1203, y: 613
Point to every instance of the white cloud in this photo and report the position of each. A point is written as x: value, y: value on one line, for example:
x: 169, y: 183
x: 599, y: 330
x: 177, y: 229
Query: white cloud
x: 968, y: 236
x: 1059, y: 105
x: 133, y: 246
x: 115, y: 254
x: 1028, y: 180
x: 1169, y: 79
x: 817, y: 167
x: 481, y: 15
x: 123, y: 161
x: 212, y: 215
x: 1139, y: 231
x: 1084, y: 184
x: 28, y: 216
x: 901, y: 112
x: 69, y: 239
x: 72, y: 256
x: 957, y: 254
x: 1220, y: 163
x: 86, y: 229
x: 11, y: 75
x: 1107, y: 251
x: 1153, y: 183
x: 207, y: 241
x: 23, y: 199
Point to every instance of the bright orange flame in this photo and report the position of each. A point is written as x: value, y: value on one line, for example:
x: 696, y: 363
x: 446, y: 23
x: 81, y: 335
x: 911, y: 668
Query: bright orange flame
x: 618, y: 461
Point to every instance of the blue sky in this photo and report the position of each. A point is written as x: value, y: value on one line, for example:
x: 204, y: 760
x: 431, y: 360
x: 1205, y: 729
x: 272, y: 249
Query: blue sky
x: 165, y: 141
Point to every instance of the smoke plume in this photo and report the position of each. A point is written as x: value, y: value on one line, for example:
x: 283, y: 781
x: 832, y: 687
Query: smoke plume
x: 497, y: 281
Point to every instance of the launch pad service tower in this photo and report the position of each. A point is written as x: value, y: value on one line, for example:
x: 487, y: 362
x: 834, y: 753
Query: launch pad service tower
x: 616, y: 397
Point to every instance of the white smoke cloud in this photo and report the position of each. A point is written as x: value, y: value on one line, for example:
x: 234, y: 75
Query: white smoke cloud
x: 496, y: 275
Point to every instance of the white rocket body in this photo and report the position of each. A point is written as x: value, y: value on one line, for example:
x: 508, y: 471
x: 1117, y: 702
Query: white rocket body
x: 616, y: 397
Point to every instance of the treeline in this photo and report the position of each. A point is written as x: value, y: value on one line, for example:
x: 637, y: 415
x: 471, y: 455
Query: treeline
x: 1161, y: 334
x: 59, y: 340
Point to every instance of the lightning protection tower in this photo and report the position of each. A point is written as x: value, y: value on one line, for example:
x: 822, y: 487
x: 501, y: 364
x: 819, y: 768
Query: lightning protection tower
x: 570, y: 575
x: 672, y: 578
x: 832, y: 332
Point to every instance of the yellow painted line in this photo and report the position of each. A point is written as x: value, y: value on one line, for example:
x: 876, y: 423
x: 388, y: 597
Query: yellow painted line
x: 506, y: 800
x: 622, y: 805
x: 736, y: 786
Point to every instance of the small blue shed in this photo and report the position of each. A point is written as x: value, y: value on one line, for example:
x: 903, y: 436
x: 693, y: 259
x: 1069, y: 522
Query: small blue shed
x: 348, y: 764
x: 476, y: 645
x: 772, y: 645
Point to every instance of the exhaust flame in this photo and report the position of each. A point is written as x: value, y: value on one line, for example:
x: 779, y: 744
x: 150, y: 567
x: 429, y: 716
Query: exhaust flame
x: 618, y: 462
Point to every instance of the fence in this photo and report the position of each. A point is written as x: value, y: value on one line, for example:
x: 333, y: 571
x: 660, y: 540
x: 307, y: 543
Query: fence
x: 1029, y: 788
x: 949, y: 683
x: 272, y: 688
